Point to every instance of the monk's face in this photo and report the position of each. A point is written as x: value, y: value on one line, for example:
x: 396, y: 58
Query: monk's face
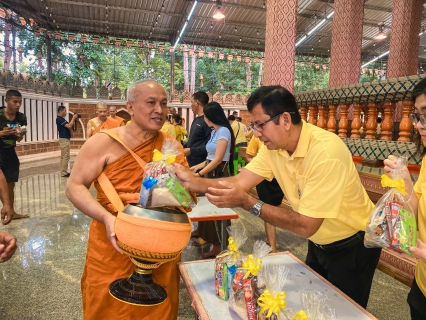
x: 149, y: 110
x: 102, y: 113
x: 112, y: 111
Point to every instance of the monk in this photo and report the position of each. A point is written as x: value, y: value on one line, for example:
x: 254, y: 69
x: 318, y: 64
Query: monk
x: 147, y: 105
x: 101, y: 122
x: 113, y: 115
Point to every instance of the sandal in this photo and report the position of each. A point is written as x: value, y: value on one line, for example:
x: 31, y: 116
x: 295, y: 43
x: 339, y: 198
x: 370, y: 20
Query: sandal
x: 199, y: 242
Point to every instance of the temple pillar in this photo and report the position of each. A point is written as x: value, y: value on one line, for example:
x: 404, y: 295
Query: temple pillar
x: 280, y: 40
x: 356, y: 121
x: 405, y: 40
x: 387, y: 124
x: 346, y: 42
x: 405, y: 125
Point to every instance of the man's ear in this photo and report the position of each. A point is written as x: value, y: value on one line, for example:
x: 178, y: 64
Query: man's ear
x: 129, y: 107
x: 286, y: 118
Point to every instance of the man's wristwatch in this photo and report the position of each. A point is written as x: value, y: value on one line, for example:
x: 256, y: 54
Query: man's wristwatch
x: 255, y: 210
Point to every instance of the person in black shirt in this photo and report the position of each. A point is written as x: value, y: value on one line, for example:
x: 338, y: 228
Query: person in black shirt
x: 199, y: 134
x: 13, y: 127
x: 64, y: 138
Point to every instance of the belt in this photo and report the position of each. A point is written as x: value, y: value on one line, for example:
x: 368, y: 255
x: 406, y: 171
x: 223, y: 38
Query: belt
x: 344, y: 243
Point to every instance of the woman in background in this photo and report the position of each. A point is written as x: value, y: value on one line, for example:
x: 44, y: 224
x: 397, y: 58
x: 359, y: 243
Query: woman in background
x: 176, y: 120
x: 219, y: 164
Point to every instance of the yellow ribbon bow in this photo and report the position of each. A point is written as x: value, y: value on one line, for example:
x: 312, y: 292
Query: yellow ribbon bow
x: 252, y: 266
x: 158, y: 156
x: 397, y: 184
x: 301, y: 315
x: 232, y: 246
x: 274, y: 305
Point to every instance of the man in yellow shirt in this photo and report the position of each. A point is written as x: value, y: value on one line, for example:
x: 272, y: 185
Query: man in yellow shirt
x: 237, y: 128
x: 314, y: 168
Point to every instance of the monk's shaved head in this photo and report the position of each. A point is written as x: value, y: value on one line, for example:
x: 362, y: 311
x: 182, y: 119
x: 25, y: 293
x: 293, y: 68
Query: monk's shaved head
x: 101, y: 104
x: 132, y: 91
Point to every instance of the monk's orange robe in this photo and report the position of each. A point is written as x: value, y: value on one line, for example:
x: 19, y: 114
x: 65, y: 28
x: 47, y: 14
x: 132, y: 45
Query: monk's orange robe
x: 104, y: 264
x: 121, y: 122
x: 109, y: 123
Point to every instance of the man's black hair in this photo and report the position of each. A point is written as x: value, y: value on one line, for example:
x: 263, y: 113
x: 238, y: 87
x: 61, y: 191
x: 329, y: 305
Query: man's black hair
x: 60, y: 108
x: 275, y: 100
x: 201, y: 97
x: 13, y: 93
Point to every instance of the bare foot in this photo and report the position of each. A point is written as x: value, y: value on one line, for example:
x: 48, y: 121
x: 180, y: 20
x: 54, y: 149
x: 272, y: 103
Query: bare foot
x: 20, y: 216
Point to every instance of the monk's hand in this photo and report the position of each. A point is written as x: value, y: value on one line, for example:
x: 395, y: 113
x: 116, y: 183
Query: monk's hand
x: 230, y: 196
x: 419, y: 251
x: 7, y: 246
x: 110, y: 230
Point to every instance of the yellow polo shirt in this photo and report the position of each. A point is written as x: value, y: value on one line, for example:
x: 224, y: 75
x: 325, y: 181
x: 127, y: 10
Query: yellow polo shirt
x: 240, y: 135
x: 254, y: 146
x: 180, y: 133
x: 420, y: 190
x: 169, y: 129
x: 320, y: 181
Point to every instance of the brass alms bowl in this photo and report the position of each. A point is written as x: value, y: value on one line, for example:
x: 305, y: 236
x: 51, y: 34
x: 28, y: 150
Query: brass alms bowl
x: 149, y: 237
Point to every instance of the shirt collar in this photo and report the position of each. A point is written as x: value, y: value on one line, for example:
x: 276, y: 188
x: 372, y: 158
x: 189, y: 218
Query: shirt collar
x: 302, y: 144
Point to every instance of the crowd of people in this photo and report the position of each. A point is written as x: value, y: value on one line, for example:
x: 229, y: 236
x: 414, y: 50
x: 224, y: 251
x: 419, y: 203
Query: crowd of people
x: 286, y: 156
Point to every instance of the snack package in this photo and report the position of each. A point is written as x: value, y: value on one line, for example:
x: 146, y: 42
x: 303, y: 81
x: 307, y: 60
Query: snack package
x: 160, y: 186
x: 392, y: 222
x: 245, y: 289
x: 271, y: 281
x: 229, y: 260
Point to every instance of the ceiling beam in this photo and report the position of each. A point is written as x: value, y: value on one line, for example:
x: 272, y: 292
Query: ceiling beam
x: 232, y: 4
x: 110, y: 7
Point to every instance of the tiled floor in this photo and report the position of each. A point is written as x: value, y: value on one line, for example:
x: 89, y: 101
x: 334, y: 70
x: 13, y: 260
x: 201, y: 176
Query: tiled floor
x: 42, y: 280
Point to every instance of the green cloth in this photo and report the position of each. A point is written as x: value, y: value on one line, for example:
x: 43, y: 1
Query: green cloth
x: 10, y: 141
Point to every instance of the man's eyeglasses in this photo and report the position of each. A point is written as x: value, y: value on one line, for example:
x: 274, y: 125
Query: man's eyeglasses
x: 259, y: 127
x: 415, y: 118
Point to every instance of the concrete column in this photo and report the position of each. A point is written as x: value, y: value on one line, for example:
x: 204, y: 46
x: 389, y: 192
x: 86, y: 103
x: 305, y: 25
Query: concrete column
x: 280, y: 42
x: 346, y: 42
x: 405, y: 40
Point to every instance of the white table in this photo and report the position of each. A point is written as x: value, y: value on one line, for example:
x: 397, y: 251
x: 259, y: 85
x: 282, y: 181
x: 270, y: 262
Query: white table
x: 198, y: 277
x: 206, y: 211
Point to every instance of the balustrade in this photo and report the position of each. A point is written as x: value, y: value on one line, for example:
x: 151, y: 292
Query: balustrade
x: 322, y: 123
x: 405, y: 125
x: 313, y: 114
x: 331, y: 124
x: 371, y: 125
x: 356, y: 121
x: 387, y: 124
x: 343, y: 122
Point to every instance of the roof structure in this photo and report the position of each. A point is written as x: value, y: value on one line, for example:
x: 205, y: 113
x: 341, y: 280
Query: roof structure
x: 243, y: 27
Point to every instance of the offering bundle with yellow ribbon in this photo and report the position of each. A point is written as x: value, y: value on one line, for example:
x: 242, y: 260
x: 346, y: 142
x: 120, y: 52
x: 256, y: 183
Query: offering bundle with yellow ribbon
x: 245, y: 289
x: 271, y: 303
x: 229, y: 260
x: 160, y: 186
x: 392, y: 222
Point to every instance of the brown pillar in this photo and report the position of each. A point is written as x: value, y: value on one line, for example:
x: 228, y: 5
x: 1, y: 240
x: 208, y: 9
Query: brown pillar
x: 387, y: 124
x: 321, y: 117
x: 313, y: 114
x: 304, y: 113
x: 405, y: 125
x: 356, y: 121
x: 331, y: 124
x: 343, y: 122
x: 346, y: 42
x: 404, y: 43
x: 371, y: 124
x: 280, y: 42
